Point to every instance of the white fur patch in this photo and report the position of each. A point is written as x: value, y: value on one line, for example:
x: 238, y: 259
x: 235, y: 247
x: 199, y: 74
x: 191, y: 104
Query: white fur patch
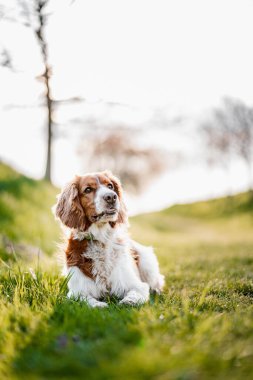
x: 114, y: 269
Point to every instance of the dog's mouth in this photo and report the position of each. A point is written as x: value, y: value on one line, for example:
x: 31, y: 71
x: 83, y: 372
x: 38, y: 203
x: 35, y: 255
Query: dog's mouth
x: 108, y: 213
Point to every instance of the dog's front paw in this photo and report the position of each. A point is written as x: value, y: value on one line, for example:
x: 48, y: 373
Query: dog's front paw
x: 128, y: 301
x: 98, y: 304
x: 159, y: 284
x: 133, y: 298
x: 93, y: 302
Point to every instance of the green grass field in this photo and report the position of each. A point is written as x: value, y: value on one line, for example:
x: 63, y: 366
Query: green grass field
x: 200, y: 328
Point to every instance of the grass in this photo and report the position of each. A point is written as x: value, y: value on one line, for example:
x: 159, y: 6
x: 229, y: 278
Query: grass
x: 200, y: 328
x: 25, y: 211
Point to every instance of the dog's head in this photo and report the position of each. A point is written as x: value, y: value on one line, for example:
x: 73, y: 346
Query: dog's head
x: 92, y: 198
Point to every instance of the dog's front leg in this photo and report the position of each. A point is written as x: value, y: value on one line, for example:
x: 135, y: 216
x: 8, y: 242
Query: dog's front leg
x: 93, y: 302
x: 138, y: 295
x: 126, y: 282
x: 83, y: 288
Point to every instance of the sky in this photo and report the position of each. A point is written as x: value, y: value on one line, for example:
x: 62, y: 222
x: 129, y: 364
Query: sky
x: 180, y: 55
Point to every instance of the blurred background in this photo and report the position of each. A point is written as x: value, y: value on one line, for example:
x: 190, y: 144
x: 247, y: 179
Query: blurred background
x: 160, y: 92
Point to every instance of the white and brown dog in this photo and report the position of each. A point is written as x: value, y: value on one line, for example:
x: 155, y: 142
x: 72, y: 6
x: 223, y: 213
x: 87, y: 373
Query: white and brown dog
x: 101, y: 258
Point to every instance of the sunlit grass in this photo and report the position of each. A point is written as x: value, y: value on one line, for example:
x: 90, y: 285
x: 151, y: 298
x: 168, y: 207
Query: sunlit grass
x: 25, y: 210
x: 200, y: 328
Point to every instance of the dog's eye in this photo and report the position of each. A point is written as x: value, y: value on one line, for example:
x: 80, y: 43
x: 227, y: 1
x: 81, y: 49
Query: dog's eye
x: 88, y: 190
x: 110, y: 186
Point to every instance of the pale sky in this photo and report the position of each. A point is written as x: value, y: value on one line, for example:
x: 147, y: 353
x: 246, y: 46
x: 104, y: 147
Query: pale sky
x: 182, y: 54
x: 156, y: 52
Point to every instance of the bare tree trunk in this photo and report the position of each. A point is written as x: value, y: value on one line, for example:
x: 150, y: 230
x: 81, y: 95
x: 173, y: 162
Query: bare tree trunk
x: 46, y: 77
x: 47, y: 175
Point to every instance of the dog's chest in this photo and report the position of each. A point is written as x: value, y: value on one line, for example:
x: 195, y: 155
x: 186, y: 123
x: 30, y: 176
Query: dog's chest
x: 105, y: 259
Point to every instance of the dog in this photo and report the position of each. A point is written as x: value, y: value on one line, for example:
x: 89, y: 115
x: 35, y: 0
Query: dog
x: 101, y: 258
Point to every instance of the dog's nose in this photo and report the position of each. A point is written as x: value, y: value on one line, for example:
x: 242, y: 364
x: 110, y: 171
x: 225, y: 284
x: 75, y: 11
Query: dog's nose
x: 110, y: 198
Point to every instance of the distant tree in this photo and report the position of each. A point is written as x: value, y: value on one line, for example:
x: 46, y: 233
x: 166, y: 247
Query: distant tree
x: 39, y: 6
x: 119, y: 152
x: 242, y: 119
x: 38, y: 13
x: 229, y: 133
x: 34, y: 15
x: 218, y: 144
x: 6, y: 60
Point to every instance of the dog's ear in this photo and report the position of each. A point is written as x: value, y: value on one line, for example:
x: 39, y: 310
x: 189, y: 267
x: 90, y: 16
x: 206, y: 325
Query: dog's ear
x: 122, y: 217
x: 68, y: 207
